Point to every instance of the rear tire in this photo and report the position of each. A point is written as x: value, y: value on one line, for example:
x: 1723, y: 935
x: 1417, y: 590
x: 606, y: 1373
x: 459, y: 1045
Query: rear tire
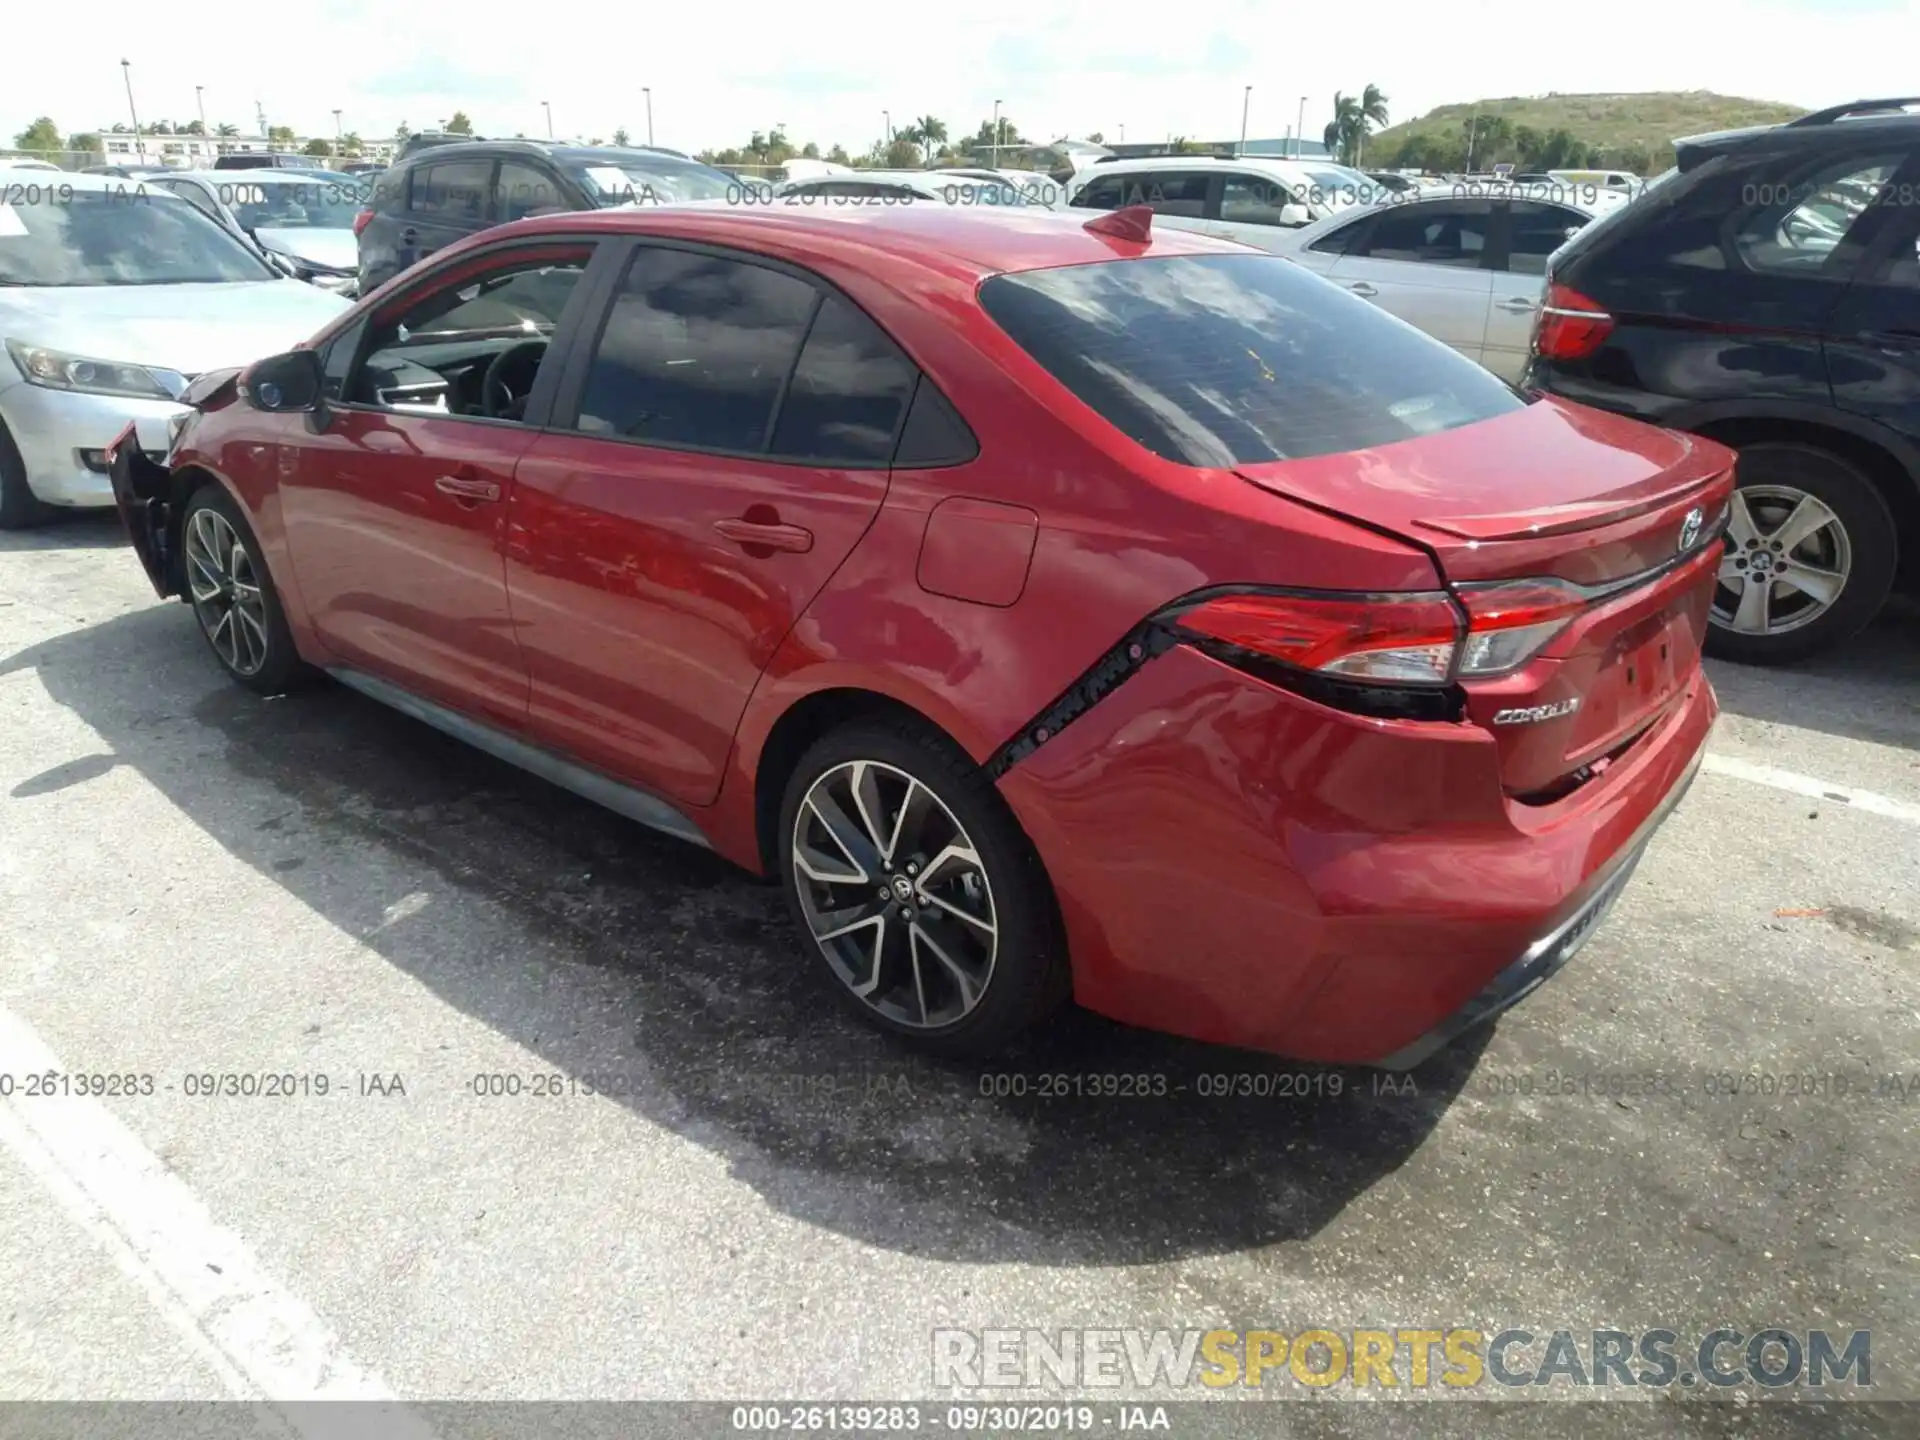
x: 1853, y: 551
x: 231, y: 594
x: 20, y: 508
x: 965, y: 951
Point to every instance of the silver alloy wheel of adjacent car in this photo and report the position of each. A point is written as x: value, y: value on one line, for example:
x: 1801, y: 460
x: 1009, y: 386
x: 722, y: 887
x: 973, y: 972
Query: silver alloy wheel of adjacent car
x: 895, y: 894
x: 226, y: 592
x: 1788, y: 558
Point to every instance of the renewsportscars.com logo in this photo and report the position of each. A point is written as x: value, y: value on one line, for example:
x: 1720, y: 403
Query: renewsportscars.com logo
x: 1439, y: 1359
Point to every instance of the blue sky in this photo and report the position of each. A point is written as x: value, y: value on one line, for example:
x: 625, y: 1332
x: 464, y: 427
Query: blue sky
x: 829, y: 72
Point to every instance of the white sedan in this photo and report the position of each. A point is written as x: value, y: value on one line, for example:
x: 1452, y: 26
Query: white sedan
x: 1466, y: 263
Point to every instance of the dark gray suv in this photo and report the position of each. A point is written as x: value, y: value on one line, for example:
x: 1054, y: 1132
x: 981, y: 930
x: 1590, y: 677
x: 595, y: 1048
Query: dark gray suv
x: 446, y: 192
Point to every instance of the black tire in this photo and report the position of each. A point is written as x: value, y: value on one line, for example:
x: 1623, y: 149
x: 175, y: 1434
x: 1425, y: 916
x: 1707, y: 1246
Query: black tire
x: 20, y: 508
x: 281, y: 669
x: 1871, y: 535
x: 1028, y: 976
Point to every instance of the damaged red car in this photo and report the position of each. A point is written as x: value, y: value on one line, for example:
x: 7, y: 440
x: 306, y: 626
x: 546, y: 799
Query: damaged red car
x: 1054, y: 609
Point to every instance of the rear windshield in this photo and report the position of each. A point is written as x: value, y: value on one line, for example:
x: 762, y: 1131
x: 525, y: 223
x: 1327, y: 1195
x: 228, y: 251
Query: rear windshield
x: 1221, y: 360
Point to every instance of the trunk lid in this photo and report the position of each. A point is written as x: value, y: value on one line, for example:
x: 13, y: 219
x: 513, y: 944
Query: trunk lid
x: 1560, y: 492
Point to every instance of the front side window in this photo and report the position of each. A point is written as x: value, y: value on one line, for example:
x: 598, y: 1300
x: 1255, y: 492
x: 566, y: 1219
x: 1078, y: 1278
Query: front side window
x: 1222, y: 360
x: 1100, y: 194
x: 1443, y: 232
x: 695, y: 351
x: 526, y: 191
x: 654, y: 180
x: 473, y: 348
x: 1165, y: 192
x: 59, y: 235
x: 1253, y: 200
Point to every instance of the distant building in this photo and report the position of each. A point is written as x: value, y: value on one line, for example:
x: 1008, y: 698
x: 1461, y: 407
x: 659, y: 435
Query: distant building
x: 198, y: 152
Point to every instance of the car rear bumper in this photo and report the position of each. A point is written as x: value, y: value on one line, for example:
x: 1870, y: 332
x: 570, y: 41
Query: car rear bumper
x: 1241, y: 865
x: 55, y: 430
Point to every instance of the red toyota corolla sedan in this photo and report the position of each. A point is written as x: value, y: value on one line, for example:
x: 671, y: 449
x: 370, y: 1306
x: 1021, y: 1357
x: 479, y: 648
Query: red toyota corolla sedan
x: 1054, y: 608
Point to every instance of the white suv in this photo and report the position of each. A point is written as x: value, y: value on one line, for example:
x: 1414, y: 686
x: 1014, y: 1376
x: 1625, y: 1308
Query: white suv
x: 1246, y: 200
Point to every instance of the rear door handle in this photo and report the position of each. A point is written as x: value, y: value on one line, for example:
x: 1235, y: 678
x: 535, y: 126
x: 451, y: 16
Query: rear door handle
x: 757, y: 535
x: 1514, y: 305
x: 470, y: 489
x: 1361, y: 287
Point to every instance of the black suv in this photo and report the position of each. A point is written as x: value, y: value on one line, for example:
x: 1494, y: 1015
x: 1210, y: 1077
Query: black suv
x: 446, y: 192
x: 1766, y: 293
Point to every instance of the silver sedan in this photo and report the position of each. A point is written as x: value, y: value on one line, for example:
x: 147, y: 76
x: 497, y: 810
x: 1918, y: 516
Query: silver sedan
x: 113, y: 295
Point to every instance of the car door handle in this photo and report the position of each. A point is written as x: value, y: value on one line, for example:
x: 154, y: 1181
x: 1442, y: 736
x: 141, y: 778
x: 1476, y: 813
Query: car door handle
x: 470, y: 489
x: 409, y: 236
x: 1514, y: 305
x: 1361, y: 287
x: 766, y: 535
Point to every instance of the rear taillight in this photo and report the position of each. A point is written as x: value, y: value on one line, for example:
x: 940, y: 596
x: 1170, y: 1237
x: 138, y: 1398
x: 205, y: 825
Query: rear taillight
x: 1397, y: 639
x: 361, y: 220
x: 1510, y: 622
x: 1570, y: 326
x: 1414, y: 638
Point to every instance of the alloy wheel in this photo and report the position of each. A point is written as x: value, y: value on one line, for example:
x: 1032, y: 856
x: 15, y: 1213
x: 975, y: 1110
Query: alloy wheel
x: 226, y: 592
x: 895, y: 894
x: 1788, y: 558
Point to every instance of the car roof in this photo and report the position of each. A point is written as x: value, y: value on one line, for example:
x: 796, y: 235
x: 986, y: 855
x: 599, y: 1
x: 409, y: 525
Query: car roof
x: 1209, y: 162
x: 80, y: 180
x: 966, y: 243
x: 582, y: 154
x: 1839, y: 126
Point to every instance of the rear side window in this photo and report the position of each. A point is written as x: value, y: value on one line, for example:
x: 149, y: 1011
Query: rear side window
x: 1537, y: 231
x: 453, y: 190
x: 1794, y: 226
x: 695, y: 352
x: 847, y: 394
x: 1443, y: 232
x: 1100, y: 194
x: 1222, y: 360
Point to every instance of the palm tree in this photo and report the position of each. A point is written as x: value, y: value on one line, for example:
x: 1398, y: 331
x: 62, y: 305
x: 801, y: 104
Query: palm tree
x: 911, y: 133
x: 933, y: 133
x: 226, y: 129
x: 1340, y: 132
x: 1373, y: 112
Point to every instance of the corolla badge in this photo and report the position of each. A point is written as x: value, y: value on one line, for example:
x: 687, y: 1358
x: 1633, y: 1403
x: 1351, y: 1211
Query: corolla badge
x: 1690, y: 528
x: 1532, y: 714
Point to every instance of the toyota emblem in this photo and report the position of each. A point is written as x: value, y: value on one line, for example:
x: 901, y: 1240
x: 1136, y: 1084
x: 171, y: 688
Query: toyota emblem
x: 1690, y: 528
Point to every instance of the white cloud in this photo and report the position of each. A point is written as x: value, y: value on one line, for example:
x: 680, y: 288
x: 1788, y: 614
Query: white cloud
x: 1059, y: 65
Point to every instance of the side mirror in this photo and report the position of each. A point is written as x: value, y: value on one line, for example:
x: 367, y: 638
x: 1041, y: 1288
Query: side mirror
x: 1294, y: 216
x: 283, y: 384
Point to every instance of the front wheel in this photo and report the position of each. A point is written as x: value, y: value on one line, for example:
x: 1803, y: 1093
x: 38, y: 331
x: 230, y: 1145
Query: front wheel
x: 1811, y: 555
x: 232, y: 595
x: 917, y: 890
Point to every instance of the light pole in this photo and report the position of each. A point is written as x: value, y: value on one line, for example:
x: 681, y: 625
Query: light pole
x: 200, y: 103
x: 1123, y: 134
x: 646, y: 91
x: 1300, y: 131
x: 994, y: 164
x: 549, y: 109
x: 339, y: 136
x: 126, y: 73
x: 1245, y: 100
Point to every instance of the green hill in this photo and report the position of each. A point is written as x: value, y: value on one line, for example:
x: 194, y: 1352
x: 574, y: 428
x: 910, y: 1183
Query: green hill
x: 1633, y: 131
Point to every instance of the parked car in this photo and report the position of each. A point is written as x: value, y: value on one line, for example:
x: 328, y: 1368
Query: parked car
x: 262, y: 160
x: 1393, y: 180
x: 1247, y: 200
x: 906, y: 187
x: 9, y: 162
x: 111, y: 300
x: 1466, y: 263
x: 1766, y: 293
x: 1051, y: 606
x: 447, y: 192
x: 306, y: 221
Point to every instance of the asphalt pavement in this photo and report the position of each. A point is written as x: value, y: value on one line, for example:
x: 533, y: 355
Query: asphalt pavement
x: 1710, y: 1118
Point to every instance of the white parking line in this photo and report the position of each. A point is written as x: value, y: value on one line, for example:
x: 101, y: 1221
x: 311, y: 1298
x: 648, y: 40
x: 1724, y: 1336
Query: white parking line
x: 1812, y: 788
x: 263, y: 1342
